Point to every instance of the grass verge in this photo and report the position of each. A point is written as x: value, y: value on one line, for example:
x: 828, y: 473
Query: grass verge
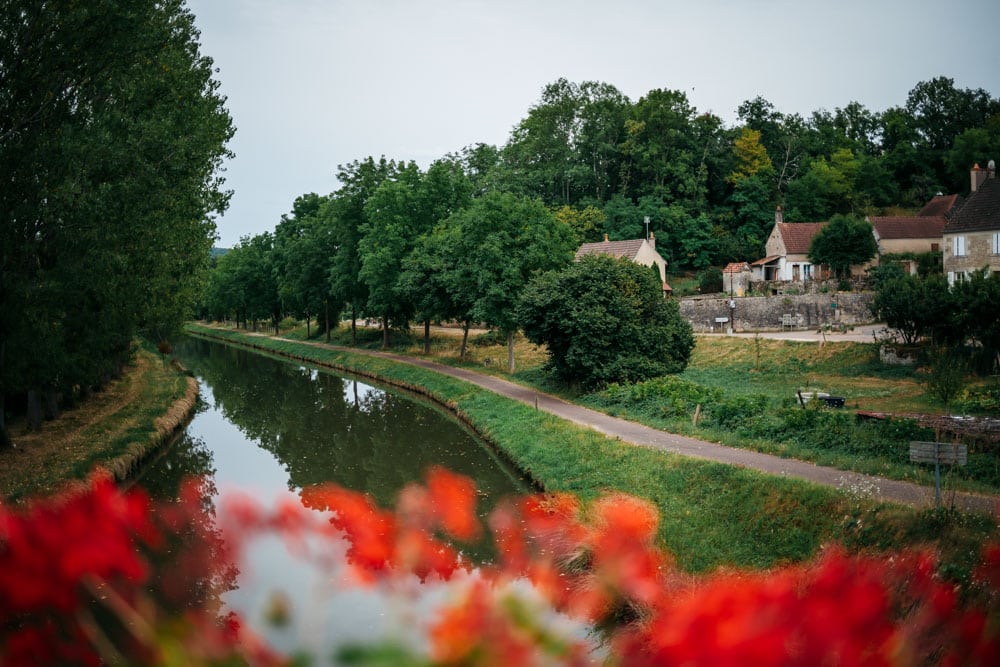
x: 711, y: 515
x: 114, y: 429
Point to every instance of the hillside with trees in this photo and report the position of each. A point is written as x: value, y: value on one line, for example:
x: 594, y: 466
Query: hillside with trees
x: 398, y: 244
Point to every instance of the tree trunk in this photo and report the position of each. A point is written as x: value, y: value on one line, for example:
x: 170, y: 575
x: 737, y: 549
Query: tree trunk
x: 427, y: 336
x: 510, y: 351
x: 326, y: 314
x: 34, y: 410
x: 465, y: 339
x: 385, y: 333
x: 307, y: 328
x: 354, y: 324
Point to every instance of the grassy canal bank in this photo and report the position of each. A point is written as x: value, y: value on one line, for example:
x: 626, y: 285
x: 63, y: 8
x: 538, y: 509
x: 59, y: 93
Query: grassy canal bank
x: 114, y: 429
x: 711, y: 514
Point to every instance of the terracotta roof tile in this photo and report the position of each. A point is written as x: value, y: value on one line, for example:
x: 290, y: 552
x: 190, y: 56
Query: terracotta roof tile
x: 798, y: 235
x: 945, y: 205
x: 980, y: 212
x: 736, y: 267
x: 909, y: 227
x: 628, y: 249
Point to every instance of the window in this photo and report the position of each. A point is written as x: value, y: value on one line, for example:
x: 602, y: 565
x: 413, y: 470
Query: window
x: 996, y: 243
x: 935, y: 247
x: 807, y: 271
x: 959, y: 247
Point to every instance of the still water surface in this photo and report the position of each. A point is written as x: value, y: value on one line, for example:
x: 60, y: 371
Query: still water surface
x: 270, y: 428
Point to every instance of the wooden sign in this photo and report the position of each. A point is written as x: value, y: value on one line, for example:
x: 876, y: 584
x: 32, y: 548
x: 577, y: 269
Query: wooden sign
x: 938, y: 452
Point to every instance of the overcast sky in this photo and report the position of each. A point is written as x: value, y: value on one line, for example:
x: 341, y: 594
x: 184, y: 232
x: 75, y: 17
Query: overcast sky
x: 312, y: 84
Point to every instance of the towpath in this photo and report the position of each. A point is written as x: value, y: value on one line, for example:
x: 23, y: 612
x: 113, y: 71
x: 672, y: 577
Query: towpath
x: 896, y: 491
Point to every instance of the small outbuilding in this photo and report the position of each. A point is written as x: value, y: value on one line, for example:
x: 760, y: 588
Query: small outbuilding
x: 736, y: 278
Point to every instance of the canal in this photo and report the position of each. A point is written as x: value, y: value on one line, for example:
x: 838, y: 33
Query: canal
x: 268, y: 429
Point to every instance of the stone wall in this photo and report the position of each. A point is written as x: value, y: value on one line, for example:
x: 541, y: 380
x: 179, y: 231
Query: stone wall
x: 763, y: 313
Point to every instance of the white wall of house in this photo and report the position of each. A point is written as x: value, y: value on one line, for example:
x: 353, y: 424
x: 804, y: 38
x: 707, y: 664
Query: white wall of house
x: 647, y: 256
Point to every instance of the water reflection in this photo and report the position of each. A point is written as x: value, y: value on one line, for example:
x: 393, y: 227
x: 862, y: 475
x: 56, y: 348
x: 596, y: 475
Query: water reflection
x: 271, y: 428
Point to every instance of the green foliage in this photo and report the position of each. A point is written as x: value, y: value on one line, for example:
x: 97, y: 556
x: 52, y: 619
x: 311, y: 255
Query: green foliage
x: 112, y: 134
x: 910, y: 305
x: 984, y: 400
x: 605, y: 320
x: 946, y: 375
x: 669, y: 395
x: 710, y: 281
x: 844, y: 242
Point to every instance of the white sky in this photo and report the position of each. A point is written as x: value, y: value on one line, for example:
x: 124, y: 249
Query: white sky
x: 316, y: 83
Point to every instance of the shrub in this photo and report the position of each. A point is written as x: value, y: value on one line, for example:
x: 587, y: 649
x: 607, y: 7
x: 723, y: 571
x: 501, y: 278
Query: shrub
x: 710, y: 281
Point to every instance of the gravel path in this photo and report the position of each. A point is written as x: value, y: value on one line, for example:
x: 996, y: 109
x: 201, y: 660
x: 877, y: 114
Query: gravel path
x: 905, y: 493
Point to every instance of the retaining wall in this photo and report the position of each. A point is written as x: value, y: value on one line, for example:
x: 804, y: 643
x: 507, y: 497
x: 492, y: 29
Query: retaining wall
x: 764, y: 313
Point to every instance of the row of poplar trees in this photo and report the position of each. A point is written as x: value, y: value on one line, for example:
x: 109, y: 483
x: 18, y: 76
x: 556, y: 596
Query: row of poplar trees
x: 112, y: 135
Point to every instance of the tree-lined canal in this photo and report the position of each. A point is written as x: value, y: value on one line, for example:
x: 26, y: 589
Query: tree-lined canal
x: 270, y: 428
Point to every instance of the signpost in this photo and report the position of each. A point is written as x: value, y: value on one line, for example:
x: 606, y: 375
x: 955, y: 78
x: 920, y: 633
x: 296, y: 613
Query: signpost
x: 938, y: 453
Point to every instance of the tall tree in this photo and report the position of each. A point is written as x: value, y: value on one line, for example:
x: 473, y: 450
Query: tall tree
x: 941, y: 112
x: 359, y: 180
x: 304, y: 246
x: 662, y: 156
x: 112, y: 133
x: 844, y: 242
x: 503, y: 240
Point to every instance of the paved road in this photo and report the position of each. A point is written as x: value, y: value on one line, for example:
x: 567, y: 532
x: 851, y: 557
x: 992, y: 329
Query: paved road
x: 890, y: 490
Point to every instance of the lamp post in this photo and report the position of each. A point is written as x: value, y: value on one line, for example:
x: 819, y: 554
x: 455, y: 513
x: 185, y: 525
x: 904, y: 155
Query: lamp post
x: 732, y: 305
x: 645, y: 221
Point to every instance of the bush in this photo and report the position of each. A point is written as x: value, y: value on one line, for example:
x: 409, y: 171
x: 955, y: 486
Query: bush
x: 710, y: 281
x: 605, y: 320
x: 984, y: 400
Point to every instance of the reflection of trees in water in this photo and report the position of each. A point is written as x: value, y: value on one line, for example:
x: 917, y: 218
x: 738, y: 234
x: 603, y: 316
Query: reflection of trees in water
x: 187, y: 457
x: 192, y: 569
x: 325, y: 428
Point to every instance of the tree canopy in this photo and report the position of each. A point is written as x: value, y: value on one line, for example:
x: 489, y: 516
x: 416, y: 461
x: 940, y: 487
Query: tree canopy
x: 112, y: 133
x: 844, y: 242
x: 605, y: 320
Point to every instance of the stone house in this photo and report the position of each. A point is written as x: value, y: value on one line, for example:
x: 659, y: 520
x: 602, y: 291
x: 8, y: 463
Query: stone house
x: 786, y: 252
x: 971, y: 239
x: 736, y: 278
x: 640, y: 251
x: 916, y: 234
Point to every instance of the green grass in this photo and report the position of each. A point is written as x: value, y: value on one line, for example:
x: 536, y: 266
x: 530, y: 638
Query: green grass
x: 712, y: 515
x: 119, y: 421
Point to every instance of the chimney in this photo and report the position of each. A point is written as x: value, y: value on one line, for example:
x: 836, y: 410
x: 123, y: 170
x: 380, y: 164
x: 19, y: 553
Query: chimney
x: 977, y: 176
x: 605, y: 238
x: 652, y: 240
x: 779, y: 216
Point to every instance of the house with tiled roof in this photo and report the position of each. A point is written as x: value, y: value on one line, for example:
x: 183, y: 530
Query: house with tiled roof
x: 907, y: 235
x: 971, y: 239
x: 736, y: 278
x: 942, y: 205
x: 786, y: 253
x: 640, y: 251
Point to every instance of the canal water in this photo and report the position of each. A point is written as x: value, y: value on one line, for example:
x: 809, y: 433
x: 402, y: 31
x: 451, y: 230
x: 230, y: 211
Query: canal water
x: 268, y: 429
